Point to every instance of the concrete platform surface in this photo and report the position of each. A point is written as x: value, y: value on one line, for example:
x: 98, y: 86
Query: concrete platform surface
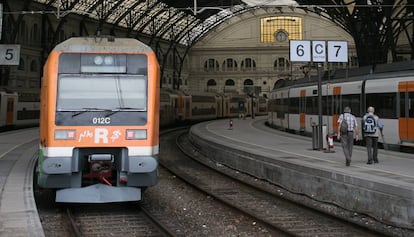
x: 18, y: 212
x: 384, y: 190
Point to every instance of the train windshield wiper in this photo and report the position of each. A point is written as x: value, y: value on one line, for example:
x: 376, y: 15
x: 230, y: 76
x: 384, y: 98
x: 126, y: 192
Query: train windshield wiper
x: 118, y: 109
x: 89, y: 110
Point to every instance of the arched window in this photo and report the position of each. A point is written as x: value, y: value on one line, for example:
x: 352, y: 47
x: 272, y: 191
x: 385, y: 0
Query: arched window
x: 211, y: 82
x: 23, y: 31
x: 21, y: 65
x: 248, y: 64
x: 229, y: 82
x: 248, y: 82
x: 211, y: 65
x: 33, y: 66
x: 281, y: 64
x: 229, y: 65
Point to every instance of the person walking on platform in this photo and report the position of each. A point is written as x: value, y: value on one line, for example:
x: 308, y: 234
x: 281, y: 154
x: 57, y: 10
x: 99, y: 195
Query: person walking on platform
x: 371, y: 127
x: 347, y: 132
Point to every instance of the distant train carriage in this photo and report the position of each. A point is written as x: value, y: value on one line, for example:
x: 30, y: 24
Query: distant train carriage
x: 239, y: 105
x: 205, y: 106
x: 8, y: 108
x: 174, y: 107
x: 99, y: 122
x: 261, y: 108
x: 28, y: 110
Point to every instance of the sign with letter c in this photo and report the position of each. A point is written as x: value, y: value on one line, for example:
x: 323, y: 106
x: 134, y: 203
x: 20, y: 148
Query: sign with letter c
x: 318, y: 51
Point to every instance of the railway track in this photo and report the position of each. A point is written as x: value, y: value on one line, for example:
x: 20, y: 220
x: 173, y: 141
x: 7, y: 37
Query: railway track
x: 196, y: 199
x: 115, y: 219
x: 84, y: 220
x: 277, y: 213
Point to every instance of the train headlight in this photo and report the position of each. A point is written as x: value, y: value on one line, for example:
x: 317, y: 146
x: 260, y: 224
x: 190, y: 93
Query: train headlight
x: 98, y: 60
x: 109, y: 60
x: 65, y: 134
x: 134, y: 134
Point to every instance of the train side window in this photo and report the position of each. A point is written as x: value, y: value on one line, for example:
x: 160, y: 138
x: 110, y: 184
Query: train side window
x: 352, y: 101
x: 411, y: 104
x: 386, y: 104
x: 294, y: 106
x: 402, y: 105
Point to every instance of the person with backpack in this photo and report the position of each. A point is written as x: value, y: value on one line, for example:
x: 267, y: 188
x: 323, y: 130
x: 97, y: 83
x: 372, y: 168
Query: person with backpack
x: 347, y: 132
x: 371, y: 127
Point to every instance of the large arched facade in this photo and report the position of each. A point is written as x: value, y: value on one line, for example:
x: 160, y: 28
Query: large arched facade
x: 255, y: 46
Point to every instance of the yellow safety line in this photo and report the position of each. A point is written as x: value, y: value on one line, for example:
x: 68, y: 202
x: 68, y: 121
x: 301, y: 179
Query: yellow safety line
x: 11, y: 149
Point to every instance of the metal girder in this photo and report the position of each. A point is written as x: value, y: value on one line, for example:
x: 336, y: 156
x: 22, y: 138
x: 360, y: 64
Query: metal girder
x: 376, y: 25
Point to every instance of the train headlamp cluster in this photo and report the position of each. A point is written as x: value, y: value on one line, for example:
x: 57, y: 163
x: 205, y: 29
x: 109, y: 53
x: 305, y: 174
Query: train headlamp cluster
x: 103, y: 60
x: 100, y: 63
x: 131, y: 134
x: 65, y: 134
x: 136, y: 134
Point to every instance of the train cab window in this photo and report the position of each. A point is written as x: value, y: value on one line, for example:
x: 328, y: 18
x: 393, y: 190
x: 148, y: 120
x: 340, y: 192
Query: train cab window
x: 102, y: 92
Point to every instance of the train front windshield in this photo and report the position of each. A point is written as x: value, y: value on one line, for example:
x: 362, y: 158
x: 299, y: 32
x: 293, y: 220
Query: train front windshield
x: 102, y: 92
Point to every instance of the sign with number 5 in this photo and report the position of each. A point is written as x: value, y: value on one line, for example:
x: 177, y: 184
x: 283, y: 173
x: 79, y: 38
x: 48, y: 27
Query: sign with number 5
x: 9, y: 54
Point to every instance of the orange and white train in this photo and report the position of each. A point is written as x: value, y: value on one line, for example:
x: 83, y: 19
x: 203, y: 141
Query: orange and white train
x: 184, y: 107
x: 99, y: 120
x: 389, y: 88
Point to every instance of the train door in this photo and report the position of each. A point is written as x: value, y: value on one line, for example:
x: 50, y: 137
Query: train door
x: 226, y: 107
x: 187, y: 108
x: 179, y: 105
x: 336, y: 110
x: 10, y: 111
x: 302, y: 110
x: 406, y: 116
x: 219, y: 112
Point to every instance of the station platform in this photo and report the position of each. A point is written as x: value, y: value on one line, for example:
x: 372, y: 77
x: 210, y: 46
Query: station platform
x: 18, y: 213
x: 384, y: 191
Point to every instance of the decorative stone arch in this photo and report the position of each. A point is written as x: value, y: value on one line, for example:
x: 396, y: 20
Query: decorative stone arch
x: 248, y: 82
x: 211, y: 82
x: 229, y: 82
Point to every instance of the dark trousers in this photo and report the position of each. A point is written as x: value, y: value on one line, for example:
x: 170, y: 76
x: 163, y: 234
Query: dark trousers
x: 372, y: 148
x: 347, y: 141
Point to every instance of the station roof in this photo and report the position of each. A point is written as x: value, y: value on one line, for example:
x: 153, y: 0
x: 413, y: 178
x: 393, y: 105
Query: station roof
x: 187, y: 21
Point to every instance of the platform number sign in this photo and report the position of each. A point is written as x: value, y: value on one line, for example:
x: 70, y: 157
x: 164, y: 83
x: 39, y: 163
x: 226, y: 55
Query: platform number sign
x: 300, y: 51
x: 337, y: 51
x: 9, y: 54
x: 316, y: 51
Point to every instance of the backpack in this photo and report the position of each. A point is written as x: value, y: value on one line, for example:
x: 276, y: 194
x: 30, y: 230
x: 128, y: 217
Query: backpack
x: 370, y: 125
x: 344, y: 126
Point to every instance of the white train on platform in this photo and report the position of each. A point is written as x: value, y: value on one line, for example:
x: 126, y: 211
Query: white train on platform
x: 389, y: 88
